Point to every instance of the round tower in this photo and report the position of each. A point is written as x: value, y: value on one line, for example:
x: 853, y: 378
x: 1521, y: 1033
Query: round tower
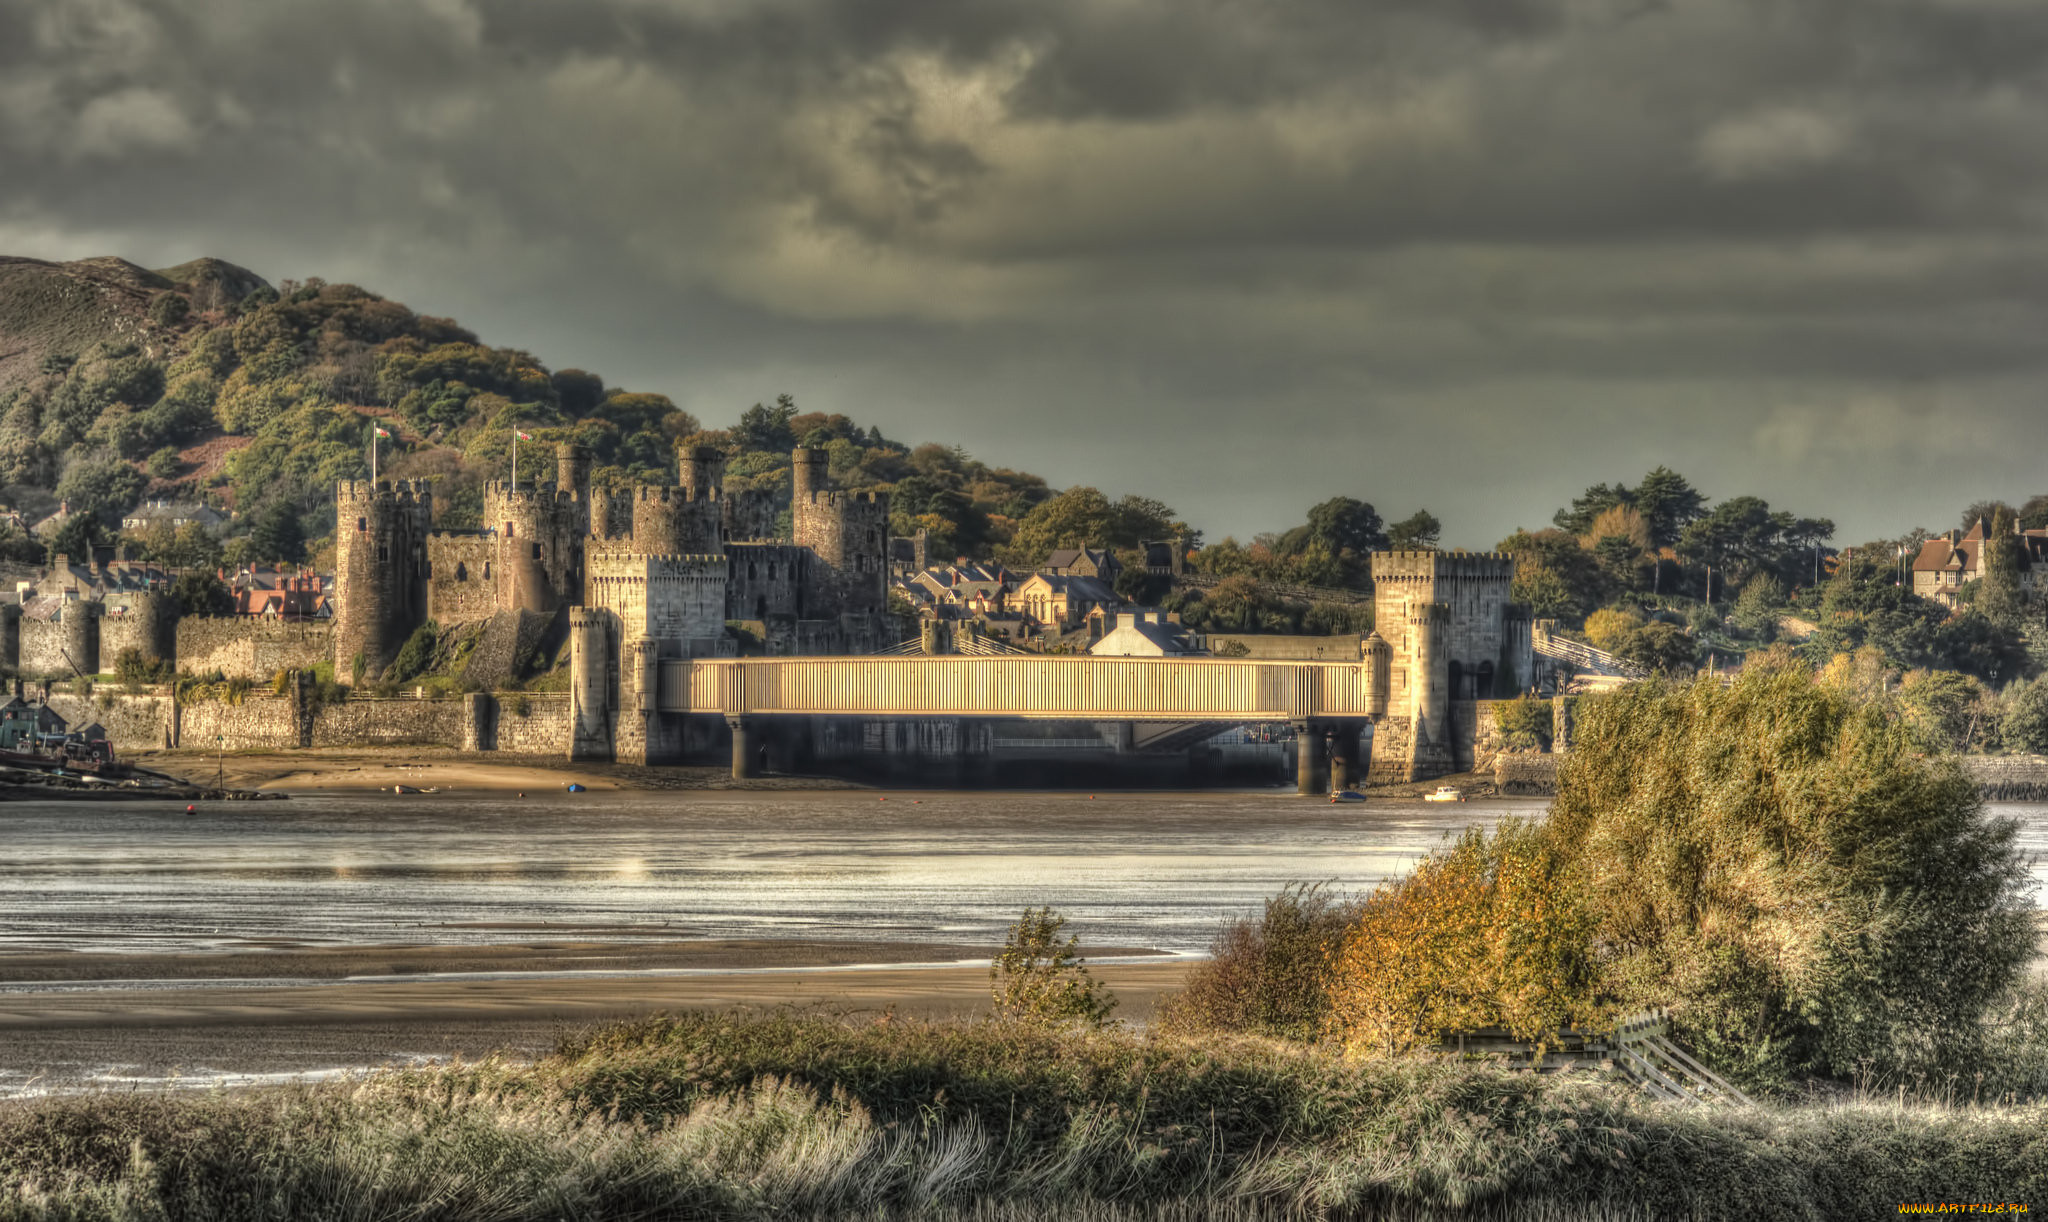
x: 677, y: 522
x: 1429, y: 677
x: 1378, y: 657
x: 525, y: 521
x: 82, y: 636
x: 366, y: 604
x: 808, y: 472
x: 155, y: 614
x: 700, y: 468
x: 572, y: 469
x: 605, y: 510
x: 590, y: 684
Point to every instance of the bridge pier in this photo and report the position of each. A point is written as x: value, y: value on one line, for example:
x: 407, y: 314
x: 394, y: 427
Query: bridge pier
x: 1340, y: 770
x: 1308, y: 751
x: 746, y: 749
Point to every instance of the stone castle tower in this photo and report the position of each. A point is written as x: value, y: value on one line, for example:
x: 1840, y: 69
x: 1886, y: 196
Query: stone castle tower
x: 380, y: 534
x: 846, y: 532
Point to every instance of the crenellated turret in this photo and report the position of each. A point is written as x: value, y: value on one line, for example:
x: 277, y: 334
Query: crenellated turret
x: 380, y: 536
x: 540, y: 534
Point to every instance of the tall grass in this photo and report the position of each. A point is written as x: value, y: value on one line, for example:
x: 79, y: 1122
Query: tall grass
x: 717, y: 1117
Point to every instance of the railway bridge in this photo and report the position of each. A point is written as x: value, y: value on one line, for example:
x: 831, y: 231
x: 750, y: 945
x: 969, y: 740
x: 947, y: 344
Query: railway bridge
x: 1328, y: 703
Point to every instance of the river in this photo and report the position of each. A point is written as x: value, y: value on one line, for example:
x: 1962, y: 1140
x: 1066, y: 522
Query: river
x: 1156, y: 870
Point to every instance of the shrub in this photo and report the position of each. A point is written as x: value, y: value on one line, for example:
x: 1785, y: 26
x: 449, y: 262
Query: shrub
x: 1270, y: 975
x: 1609, y: 628
x: 1039, y: 979
x: 1773, y: 862
x: 136, y: 669
x: 416, y: 655
x: 1486, y: 933
x: 1524, y: 724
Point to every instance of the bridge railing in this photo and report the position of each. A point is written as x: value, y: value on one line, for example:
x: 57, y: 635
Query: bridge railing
x: 1141, y: 689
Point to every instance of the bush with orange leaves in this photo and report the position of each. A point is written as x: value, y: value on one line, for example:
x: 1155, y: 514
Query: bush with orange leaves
x: 1481, y: 934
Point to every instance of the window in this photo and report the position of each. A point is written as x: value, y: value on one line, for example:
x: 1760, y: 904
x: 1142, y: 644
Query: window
x: 383, y: 554
x: 487, y: 570
x: 362, y: 524
x: 536, y: 551
x: 508, y: 530
x: 771, y: 570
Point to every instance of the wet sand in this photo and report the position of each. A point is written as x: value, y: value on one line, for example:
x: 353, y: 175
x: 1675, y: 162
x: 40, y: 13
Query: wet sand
x: 148, y: 1036
x: 444, y: 770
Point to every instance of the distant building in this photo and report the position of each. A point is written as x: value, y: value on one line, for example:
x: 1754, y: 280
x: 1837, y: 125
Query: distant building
x: 1947, y: 562
x: 1099, y: 563
x: 1144, y: 634
x: 173, y: 514
x: 1062, y: 603
x: 962, y: 584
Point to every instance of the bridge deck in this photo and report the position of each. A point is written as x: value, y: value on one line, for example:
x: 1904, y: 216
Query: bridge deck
x: 1082, y: 688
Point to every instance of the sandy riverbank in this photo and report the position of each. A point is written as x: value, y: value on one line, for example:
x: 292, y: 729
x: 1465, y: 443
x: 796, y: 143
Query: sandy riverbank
x: 150, y: 1028
x: 446, y: 771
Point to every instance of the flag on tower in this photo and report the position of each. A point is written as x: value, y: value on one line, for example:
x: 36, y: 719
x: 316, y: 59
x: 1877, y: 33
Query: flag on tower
x: 524, y: 436
x: 381, y: 432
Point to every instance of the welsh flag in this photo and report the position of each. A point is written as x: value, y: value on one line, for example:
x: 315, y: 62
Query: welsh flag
x: 524, y: 436
x: 381, y: 432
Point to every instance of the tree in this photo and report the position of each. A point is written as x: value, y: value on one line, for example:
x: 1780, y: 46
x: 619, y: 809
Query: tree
x: 1758, y: 607
x: 200, y: 593
x: 1342, y: 524
x: 1040, y: 979
x: 1661, y: 649
x: 767, y: 428
x: 1078, y: 517
x: 169, y: 309
x: 577, y: 392
x: 1417, y: 532
x: 1984, y: 511
x: 1577, y: 518
x: 277, y: 536
x: 1668, y: 504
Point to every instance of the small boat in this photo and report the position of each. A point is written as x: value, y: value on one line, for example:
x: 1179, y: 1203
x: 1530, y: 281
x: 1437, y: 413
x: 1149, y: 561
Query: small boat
x: 575, y: 788
x: 1346, y: 795
x: 1445, y: 793
x: 412, y: 789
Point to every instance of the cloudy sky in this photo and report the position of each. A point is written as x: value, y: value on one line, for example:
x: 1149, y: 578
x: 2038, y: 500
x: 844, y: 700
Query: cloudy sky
x: 1239, y: 254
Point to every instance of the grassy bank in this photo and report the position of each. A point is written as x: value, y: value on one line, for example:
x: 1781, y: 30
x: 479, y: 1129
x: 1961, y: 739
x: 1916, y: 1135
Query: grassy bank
x: 714, y: 1116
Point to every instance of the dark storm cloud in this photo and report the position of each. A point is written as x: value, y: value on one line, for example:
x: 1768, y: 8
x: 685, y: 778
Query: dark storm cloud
x: 1468, y: 253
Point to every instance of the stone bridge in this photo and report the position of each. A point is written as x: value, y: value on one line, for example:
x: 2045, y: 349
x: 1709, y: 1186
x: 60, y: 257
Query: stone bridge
x: 1333, y: 699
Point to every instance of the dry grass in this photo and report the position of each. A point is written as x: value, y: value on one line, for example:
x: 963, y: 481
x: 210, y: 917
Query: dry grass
x: 712, y: 1116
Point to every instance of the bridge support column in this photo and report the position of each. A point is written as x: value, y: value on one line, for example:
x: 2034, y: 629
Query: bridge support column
x: 746, y: 748
x: 1341, y: 746
x: 1308, y: 750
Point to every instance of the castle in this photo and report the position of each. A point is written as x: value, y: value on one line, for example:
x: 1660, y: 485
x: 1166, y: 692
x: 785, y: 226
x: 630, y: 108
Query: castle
x: 642, y: 575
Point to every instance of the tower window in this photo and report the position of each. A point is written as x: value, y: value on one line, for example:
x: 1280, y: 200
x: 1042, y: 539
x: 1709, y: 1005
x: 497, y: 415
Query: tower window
x: 536, y: 551
x: 508, y: 530
x: 383, y: 554
x: 362, y: 524
x: 771, y: 570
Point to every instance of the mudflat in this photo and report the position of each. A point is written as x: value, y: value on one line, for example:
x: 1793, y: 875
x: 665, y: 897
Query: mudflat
x: 152, y: 1030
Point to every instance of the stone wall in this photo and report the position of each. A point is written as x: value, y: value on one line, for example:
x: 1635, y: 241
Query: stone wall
x: 261, y: 722
x: 44, y: 643
x: 543, y: 727
x: 369, y: 721
x: 764, y: 580
x: 133, y: 723
x: 1528, y: 773
x: 2009, y: 778
x: 1475, y: 735
x: 460, y: 585
x: 251, y: 647
x: 1344, y: 647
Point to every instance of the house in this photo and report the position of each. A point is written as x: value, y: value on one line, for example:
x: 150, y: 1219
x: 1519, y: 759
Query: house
x: 1096, y: 562
x: 279, y: 594
x: 965, y: 583
x: 173, y: 514
x: 1144, y: 634
x: 1061, y: 603
x: 24, y: 725
x: 1949, y: 561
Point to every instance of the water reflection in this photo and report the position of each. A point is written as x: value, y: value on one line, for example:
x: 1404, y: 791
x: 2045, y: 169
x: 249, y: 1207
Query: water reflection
x: 368, y: 868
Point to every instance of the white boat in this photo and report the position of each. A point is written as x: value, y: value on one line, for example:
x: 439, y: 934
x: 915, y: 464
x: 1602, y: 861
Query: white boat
x: 1445, y: 793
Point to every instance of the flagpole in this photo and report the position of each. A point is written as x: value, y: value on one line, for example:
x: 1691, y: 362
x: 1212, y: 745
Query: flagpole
x: 515, y: 456
x: 373, y: 455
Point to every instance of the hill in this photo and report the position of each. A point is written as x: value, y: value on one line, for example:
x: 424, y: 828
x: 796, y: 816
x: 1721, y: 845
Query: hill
x: 204, y: 382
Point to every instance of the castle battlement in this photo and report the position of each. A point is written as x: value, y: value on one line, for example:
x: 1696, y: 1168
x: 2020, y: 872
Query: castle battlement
x: 678, y: 494
x: 545, y: 494
x: 395, y: 491
x: 1397, y: 566
x: 1420, y: 614
x: 843, y: 498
